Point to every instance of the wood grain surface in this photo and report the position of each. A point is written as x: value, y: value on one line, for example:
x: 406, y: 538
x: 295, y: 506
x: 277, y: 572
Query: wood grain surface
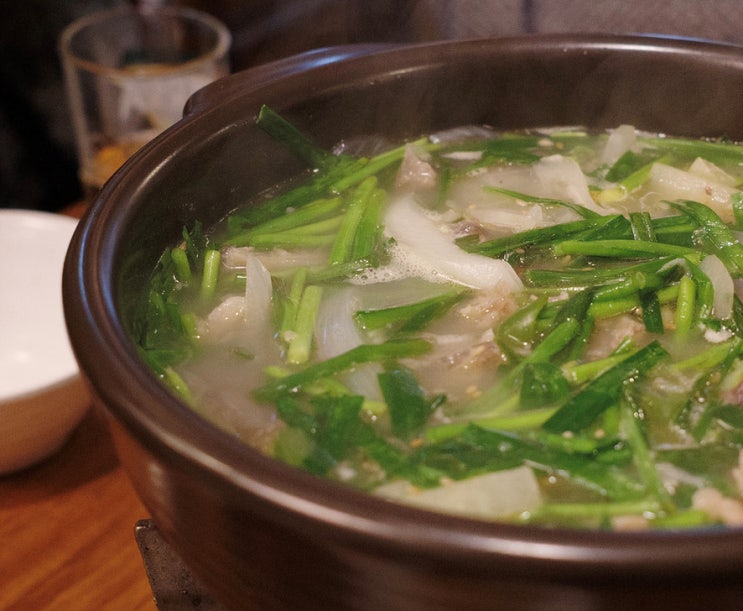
x: 67, y: 531
x: 67, y: 528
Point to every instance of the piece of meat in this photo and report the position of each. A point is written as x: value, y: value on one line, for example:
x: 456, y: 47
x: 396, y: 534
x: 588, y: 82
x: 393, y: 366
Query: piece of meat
x: 610, y: 332
x: 718, y: 507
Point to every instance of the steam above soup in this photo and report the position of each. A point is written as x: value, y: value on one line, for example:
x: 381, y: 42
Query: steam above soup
x: 534, y: 327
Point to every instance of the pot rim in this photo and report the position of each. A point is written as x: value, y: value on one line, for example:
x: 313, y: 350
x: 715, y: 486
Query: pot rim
x: 167, y: 427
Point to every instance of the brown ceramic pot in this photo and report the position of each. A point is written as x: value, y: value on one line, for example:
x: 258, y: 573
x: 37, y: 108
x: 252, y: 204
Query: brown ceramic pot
x: 264, y: 536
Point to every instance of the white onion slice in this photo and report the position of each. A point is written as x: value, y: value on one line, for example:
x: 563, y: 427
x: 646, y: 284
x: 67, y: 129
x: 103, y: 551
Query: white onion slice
x: 562, y: 178
x: 722, y: 285
x: 554, y: 177
x: 220, y: 322
x: 490, y: 496
x: 513, y: 219
x: 420, y: 240
x: 709, y: 171
x: 258, y: 297
x: 276, y: 260
x: 620, y: 140
x: 671, y: 183
x: 336, y: 332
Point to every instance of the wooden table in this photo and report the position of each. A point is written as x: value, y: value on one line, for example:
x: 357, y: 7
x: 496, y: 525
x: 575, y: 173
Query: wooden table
x: 67, y: 529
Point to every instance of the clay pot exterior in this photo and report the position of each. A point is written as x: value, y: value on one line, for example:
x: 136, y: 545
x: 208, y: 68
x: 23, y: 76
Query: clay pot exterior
x: 262, y: 535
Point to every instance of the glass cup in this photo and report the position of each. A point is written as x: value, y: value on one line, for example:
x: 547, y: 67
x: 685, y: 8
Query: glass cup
x: 128, y: 74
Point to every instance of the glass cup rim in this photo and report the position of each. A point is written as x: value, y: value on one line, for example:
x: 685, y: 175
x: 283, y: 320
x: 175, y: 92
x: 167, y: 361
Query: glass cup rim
x: 222, y: 41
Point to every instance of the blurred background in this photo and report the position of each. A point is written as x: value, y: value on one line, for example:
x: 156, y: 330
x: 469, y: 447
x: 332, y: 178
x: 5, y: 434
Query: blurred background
x: 38, y: 165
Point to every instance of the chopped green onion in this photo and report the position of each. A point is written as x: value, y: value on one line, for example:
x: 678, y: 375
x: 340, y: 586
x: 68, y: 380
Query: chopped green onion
x: 601, y: 393
x: 210, y: 274
x: 365, y: 353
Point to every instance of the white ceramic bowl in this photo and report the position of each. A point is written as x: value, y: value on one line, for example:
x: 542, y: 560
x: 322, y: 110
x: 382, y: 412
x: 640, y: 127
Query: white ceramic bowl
x: 42, y: 397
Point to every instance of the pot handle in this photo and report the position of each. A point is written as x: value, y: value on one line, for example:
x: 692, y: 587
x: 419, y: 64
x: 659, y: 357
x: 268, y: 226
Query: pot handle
x: 258, y: 76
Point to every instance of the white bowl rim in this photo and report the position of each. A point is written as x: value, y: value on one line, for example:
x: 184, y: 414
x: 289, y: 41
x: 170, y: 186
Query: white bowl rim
x: 61, y: 227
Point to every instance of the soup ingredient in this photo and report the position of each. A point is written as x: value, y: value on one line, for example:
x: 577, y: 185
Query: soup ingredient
x: 539, y: 327
x: 489, y: 496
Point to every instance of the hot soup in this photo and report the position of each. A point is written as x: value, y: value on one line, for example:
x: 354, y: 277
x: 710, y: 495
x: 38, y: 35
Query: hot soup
x: 536, y: 327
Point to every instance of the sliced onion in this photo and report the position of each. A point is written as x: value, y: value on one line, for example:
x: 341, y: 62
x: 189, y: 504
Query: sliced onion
x: 252, y: 310
x: 470, y: 192
x: 709, y: 171
x: 276, y: 260
x: 336, y: 332
x: 671, y: 183
x: 620, y: 140
x: 554, y: 176
x: 220, y: 322
x: 562, y: 178
x: 434, y: 253
x: 722, y: 285
x: 465, y: 132
x: 490, y: 496
x: 258, y: 297
x: 507, y: 218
